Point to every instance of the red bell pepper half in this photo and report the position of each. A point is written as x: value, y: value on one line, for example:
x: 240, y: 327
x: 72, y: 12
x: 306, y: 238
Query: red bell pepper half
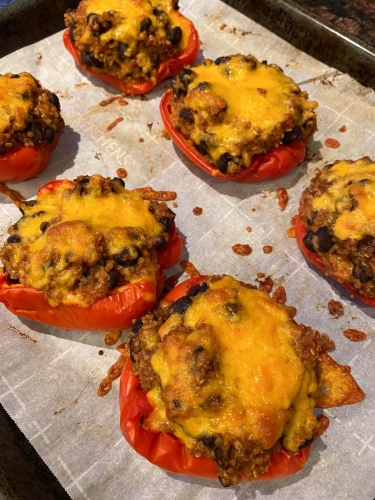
x: 315, y: 259
x: 19, y: 164
x: 278, y: 162
x: 115, y: 311
x: 168, y: 68
x: 166, y: 450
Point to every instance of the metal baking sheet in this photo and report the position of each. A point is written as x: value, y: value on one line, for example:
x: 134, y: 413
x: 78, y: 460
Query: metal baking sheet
x: 49, y: 376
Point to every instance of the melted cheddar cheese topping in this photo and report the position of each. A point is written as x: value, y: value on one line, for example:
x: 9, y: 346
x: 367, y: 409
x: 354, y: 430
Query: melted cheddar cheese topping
x: 15, y: 101
x: 69, y: 242
x: 351, y: 194
x: 254, y: 385
x: 259, y: 104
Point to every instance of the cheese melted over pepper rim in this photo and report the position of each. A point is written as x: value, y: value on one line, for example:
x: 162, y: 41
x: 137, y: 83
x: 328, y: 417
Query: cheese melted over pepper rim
x: 263, y: 388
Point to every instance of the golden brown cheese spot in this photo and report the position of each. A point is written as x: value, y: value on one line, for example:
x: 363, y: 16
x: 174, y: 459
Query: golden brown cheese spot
x: 350, y: 193
x: 235, y: 374
x: 259, y: 103
x: 15, y: 101
x: 77, y: 247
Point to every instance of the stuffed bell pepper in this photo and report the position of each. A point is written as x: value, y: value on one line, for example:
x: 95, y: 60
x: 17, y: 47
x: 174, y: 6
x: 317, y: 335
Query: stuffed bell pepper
x: 239, y: 119
x: 222, y: 382
x: 30, y: 124
x: 335, y: 229
x: 87, y: 254
x: 133, y: 45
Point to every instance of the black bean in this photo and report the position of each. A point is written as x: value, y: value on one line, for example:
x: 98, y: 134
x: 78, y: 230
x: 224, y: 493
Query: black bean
x: 122, y: 48
x: 50, y: 134
x: 219, y: 456
x: 86, y: 59
x: 251, y: 62
x: 14, y: 238
x: 198, y: 350
x: 112, y: 279
x: 294, y: 135
x: 30, y: 203
x: 176, y: 403
x: 208, y: 440
x: 71, y: 32
x: 12, y: 280
x: 180, y: 305
x: 15, y: 76
x: 117, y: 180
x: 175, y: 4
x: 145, y: 24
x: 131, y: 347
x: 324, y: 239
x: 128, y: 256
x: 3, y: 149
x: 308, y: 241
x: 155, y: 59
x: 44, y: 226
x: 38, y: 214
x: 186, y: 75
x: 362, y: 182
x: 222, y: 60
x: 175, y: 35
x: 159, y: 242
x: 161, y: 15
x: 199, y: 288
x: 137, y: 325
x: 166, y: 223
x: 361, y: 274
x: 187, y: 114
x: 223, y: 161
x: 201, y: 147
x: 36, y: 129
x: 202, y: 86
x: 53, y: 99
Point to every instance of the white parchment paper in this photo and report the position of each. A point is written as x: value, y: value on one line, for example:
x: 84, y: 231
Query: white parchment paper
x: 49, y: 376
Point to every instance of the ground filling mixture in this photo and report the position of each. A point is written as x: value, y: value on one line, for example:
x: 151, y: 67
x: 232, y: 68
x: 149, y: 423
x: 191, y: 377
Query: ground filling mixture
x: 337, y: 210
x: 29, y: 114
x: 231, y: 374
x: 127, y: 39
x: 79, y: 241
x: 236, y: 107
